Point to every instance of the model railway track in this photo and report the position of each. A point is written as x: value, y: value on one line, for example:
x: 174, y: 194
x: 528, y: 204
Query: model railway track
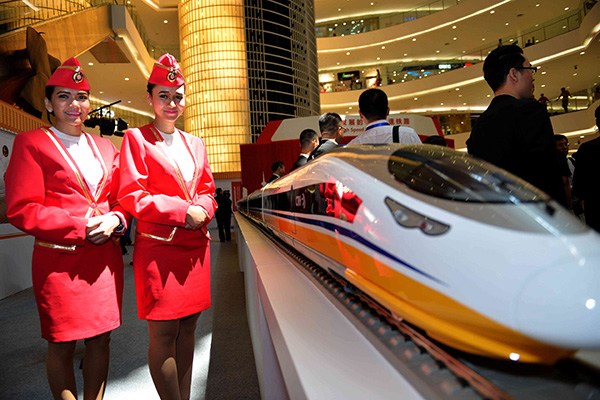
x: 438, y: 373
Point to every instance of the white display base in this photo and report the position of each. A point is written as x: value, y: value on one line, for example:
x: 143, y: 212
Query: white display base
x: 304, y: 347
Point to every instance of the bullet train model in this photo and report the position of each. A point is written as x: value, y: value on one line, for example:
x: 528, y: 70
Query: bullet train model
x: 476, y: 257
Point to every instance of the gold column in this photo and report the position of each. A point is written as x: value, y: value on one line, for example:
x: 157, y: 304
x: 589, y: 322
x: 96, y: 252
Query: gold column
x: 213, y: 59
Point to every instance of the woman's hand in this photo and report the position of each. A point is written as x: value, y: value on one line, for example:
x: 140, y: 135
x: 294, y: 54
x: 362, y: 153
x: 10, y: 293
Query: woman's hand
x: 195, y: 217
x: 98, y: 229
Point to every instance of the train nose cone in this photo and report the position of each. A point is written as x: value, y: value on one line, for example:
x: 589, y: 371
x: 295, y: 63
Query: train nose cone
x: 561, y: 305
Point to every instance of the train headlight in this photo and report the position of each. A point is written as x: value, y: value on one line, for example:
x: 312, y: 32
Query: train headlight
x: 411, y: 219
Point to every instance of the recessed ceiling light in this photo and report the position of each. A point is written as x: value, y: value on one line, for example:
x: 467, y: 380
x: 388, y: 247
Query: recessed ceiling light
x: 126, y: 79
x: 101, y: 92
x: 128, y: 101
x: 347, y: 53
x: 506, y: 24
x: 339, y: 9
x: 437, y: 51
x: 382, y: 47
x: 537, y: 5
x: 166, y: 21
x: 453, y: 38
x: 416, y: 98
x: 566, y: 8
x: 543, y: 72
x: 493, y: 11
x: 582, y: 53
x: 414, y: 39
x: 378, y: 58
x: 543, y: 86
x: 90, y: 63
x: 453, y: 26
x: 405, y: 54
x: 457, y: 88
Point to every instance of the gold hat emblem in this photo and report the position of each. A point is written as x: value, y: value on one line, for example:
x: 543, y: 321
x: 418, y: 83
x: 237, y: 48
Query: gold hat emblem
x: 77, y: 76
x: 172, y: 75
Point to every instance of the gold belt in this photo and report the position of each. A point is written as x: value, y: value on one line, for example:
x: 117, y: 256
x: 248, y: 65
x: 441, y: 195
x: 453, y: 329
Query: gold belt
x: 155, y: 237
x: 56, y: 246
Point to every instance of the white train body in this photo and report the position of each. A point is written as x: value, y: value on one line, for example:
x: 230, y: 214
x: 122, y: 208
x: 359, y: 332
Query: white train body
x: 478, y: 258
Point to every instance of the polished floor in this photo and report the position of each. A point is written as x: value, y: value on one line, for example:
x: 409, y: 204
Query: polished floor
x: 223, y: 361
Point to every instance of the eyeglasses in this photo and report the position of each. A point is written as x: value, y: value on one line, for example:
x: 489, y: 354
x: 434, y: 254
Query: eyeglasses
x: 532, y: 69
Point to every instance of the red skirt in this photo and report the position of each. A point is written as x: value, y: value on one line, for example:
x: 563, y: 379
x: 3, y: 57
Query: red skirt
x: 172, y: 278
x: 78, y: 292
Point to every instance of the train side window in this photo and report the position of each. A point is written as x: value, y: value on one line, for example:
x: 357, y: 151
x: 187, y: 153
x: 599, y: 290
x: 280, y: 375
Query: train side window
x: 341, y: 202
x: 331, y: 198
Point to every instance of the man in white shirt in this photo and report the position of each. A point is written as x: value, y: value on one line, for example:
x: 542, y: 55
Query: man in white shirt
x: 373, y: 109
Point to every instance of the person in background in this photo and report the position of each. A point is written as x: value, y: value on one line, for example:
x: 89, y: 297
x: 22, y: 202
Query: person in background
x: 168, y: 186
x: 277, y: 169
x: 374, y: 110
x: 515, y: 132
x: 223, y: 214
x: 543, y: 100
x: 564, y: 98
x: 585, y: 180
x: 332, y: 131
x: 309, y: 140
x: 562, y: 152
x: 61, y: 188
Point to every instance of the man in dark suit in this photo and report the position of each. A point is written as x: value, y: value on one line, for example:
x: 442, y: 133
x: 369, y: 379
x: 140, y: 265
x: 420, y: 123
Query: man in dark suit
x: 278, y: 169
x: 309, y: 140
x: 332, y: 131
x: 515, y: 132
x: 586, y: 186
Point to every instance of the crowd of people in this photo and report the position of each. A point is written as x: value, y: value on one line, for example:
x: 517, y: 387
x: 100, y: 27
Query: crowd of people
x: 514, y: 133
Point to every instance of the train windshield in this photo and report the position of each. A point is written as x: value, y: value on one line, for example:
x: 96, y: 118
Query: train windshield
x: 449, y: 174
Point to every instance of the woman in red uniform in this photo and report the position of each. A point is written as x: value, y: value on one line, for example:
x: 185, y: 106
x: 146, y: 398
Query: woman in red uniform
x: 167, y: 184
x: 61, y: 187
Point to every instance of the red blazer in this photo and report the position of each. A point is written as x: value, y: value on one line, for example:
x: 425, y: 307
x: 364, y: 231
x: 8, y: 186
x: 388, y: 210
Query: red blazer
x: 78, y: 285
x: 152, y: 189
x: 46, y: 198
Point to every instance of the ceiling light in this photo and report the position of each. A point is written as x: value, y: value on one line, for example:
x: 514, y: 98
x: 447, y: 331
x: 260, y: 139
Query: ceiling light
x: 453, y: 26
x: 493, y: 11
x: 166, y: 21
x: 90, y: 63
x: 416, y: 98
x: 582, y: 53
x: 543, y: 86
x: 543, y: 72
x: 382, y: 47
x: 126, y: 79
x: 378, y: 58
x: 414, y: 39
x: 457, y: 88
x: 347, y: 53
x: 566, y: 8
x: 453, y: 38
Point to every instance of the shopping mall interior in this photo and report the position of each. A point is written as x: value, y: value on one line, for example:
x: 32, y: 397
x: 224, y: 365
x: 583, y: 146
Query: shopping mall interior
x: 249, y: 64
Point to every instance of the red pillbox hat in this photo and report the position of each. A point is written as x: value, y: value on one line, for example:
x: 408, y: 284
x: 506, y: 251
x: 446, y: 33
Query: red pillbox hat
x: 69, y: 75
x: 166, y: 72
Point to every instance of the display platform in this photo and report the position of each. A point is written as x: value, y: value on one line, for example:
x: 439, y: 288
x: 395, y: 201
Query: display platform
x: 304, y: 347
